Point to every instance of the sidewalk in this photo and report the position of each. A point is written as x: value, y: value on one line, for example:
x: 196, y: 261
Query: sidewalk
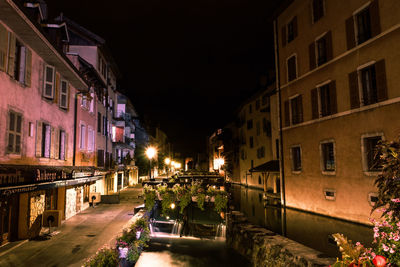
x: 79, y: 237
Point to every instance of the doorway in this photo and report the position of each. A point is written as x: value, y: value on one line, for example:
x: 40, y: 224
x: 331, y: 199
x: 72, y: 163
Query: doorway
x: 5, y: 220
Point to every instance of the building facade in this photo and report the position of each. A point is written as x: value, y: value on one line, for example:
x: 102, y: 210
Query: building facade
x: 338, y: 78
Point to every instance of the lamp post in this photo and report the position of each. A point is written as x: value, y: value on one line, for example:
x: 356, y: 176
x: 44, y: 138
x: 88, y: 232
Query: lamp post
x: 167, y: 162
x: 150, y: 153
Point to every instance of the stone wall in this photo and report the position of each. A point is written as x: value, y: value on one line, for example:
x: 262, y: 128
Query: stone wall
x: 265, y: 248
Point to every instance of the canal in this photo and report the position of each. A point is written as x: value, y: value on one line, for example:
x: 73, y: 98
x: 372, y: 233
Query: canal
x: 306, y: 228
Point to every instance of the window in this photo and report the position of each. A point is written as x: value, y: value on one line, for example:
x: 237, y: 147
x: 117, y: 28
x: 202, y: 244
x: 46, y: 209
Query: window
x: 363, y: 26
x: 64, y: 94
x: 251, y: 142
x: 62, y: 145
x: 277, y: 148
x: 104, y: 125
x: 291, y: 68
x: 368, y: 84
x: 321, y: 51
x: 328, y: 157
x: 49, y: 74
x: 84, y: 101
x: 318, y: 10
x: 46, y: 140
x: 292, y: 30
x: 90, y: 139
x: 19, y: 62
x: 323, y: 100
x: 258, y: 128
x: 14, y: 132
x: 296, y: 110
x: 267, y: 127
x: 330, y: 194
x: 100, y: 158
x: 370, y: 156
x: 98, y: 122
x: 367, y: 77
x: 91, y: 107
x: 296, y: 158
x: 261, y: 152
x: 249, y: 124
x: 82, y: 137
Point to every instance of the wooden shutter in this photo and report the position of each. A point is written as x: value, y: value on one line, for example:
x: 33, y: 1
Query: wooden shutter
x: 11, y: 54
x: 311, y: 50
x: 350, y: 35
x: 329, y: 49
x: 381, y: 84
x: 66, y: 146
x: 314, y: 103
x: 57, y: 144
x: 283, y: 31
x: 333, y: 97
x: 375, y: 18
x: 38, y: 150
x: 28, y: 67
x: 295, y: 27
x: 300, y: 106
x: 52, y: 143
x: 68, y: 95
x: 354, y: 93
x: 3, y: 47
x: 57, y: 88
x: 287, y: 114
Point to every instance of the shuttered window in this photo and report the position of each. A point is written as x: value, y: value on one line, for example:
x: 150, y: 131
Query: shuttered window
x: 90, y: 139
x: 3, y: 47
x: 46, y: 140
x: 14, y: 132
x: 292, y: 68
x: 49, y: 80
x: 370, y: 156
x: 100, y: 158
x: 318, y: 9
x: 324, y: 100
x: 373, y: 83
x: 98, y: 122
x: 62, y: 141
x: 292, y: 30
x: 64, y: 94
x: 82, y: 136
x: 363, y: 24
x: 296, y: 108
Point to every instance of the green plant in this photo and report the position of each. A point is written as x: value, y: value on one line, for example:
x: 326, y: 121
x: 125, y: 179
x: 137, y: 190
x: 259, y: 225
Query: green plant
x: 221, y: 201
x: 104, y: 257
x: 388, y: 182
x: 201, y: 197
x: 168, y: 197
x: 150, y: 197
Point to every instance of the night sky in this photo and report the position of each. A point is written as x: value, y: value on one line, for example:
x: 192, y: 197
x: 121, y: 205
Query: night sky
x: 186, y: 65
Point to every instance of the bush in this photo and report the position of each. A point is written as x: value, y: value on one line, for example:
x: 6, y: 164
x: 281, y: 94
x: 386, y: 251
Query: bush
x: 104, y: 257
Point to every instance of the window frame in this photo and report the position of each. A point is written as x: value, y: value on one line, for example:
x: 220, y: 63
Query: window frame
x: 46, y: 140
x: 330, y: 198
x: 325, y: 171
x: 319, y: 38
x: 360, y: 69
x: 63, y: 81
x: 363, y: 8
x: 319, y: 86
x: 62, y: 151
x: 45, y: 82
x: 364, y: 157
x: 291, y: 109
x: 292, y: 159
x: 14, y: 132
x: 82, y: 141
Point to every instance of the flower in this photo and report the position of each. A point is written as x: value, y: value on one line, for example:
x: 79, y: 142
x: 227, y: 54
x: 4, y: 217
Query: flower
x: 385, y: 248
x: 396, y: 200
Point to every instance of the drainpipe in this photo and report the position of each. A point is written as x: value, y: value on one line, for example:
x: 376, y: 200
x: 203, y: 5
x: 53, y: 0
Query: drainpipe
x: 281, y: 158
x: 75, y: 125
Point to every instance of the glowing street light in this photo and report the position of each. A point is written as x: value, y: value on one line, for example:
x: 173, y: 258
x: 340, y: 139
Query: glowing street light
x: 150, y: 153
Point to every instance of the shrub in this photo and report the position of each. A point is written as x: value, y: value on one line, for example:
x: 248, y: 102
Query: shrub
x: 104, y: 257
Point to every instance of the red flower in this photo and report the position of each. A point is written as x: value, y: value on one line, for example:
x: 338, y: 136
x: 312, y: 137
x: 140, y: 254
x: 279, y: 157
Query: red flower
x: 379, y: 261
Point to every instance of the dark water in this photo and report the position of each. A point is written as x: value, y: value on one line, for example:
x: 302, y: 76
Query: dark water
x: 309, y: 229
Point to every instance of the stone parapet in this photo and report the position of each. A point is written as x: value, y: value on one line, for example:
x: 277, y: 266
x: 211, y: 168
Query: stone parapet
x: 266, y: 248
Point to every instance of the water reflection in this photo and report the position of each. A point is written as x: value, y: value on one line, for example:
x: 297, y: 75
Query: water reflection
x: 309, y: 229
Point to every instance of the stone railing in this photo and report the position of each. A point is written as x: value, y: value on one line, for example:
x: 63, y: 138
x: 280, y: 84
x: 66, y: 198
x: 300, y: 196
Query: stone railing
x: 266, y: 248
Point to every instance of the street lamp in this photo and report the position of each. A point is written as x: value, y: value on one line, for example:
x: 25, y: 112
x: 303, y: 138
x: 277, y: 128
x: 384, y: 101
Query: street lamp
x: 150, y: 153
x: 167, y: 162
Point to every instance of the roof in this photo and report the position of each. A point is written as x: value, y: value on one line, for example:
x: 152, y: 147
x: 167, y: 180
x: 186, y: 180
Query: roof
x: 270, y: 166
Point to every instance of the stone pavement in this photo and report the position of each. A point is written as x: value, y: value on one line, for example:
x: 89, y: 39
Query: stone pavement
x: 79, y: 237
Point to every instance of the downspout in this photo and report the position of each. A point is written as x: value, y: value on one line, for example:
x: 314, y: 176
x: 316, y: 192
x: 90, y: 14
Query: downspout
x: 278, y: 88
x: 75, y: 126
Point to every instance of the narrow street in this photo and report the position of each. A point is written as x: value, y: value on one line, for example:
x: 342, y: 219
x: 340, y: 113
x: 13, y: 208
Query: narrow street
x: 79, y: 237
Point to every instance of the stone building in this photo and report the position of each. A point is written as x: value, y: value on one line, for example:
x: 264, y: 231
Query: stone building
x: 337, y: 71
x: 37, y: 87
x: 258, y: 141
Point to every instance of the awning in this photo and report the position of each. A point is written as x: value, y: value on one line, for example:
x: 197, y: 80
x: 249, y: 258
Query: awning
x: 270, y: 166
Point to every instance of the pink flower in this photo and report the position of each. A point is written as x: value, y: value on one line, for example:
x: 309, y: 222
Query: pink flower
x: 391, y: 250
x: 376, y: 235
x: 376, y: 229
x: 385, y: 248
x: 396, y: 200
x: 358, y: 244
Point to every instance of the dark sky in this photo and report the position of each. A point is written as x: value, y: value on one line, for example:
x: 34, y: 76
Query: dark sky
x: 186, y: 65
